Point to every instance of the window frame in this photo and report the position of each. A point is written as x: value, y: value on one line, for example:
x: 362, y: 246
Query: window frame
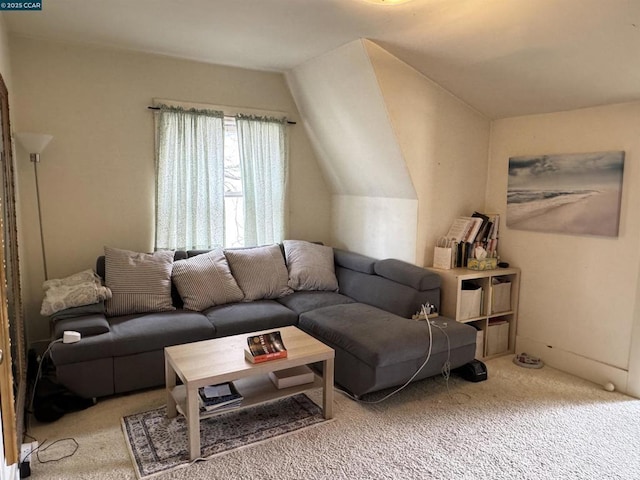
x: 228, y: 112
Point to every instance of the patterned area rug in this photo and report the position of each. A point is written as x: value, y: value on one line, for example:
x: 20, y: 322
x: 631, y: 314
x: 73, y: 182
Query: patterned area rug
x: 158, y: 444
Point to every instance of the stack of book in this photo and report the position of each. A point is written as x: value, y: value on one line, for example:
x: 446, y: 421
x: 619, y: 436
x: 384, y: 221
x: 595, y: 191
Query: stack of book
x: 219, y: 397
x: 468, y: 233
x: 264, y: 347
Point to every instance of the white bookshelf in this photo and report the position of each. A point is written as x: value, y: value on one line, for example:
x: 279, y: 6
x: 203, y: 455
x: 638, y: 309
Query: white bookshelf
x: 497, y: 313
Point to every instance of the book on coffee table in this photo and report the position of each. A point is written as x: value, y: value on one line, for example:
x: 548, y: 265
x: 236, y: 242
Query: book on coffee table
x: 290, y: 377
x: 215, y: 397
x: 264, y: 347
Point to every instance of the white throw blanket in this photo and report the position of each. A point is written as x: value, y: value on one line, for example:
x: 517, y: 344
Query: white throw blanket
x: 80, y: 289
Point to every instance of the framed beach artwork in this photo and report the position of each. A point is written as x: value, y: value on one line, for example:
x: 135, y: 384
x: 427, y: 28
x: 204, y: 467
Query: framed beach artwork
x: 577, y: 193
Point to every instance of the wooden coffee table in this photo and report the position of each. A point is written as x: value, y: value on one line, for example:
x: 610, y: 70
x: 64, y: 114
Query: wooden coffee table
x: 221, y: 360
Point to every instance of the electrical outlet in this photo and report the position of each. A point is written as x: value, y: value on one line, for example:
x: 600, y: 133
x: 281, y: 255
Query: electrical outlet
x: 26, y: 449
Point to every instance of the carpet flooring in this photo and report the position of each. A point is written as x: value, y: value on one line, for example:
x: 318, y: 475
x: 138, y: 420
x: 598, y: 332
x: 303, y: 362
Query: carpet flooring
x: 519, y: 424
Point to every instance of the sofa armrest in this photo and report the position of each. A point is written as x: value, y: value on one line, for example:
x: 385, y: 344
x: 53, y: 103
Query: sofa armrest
x: 407, y: 274
x: 87, y: 325
x: 353, y: 261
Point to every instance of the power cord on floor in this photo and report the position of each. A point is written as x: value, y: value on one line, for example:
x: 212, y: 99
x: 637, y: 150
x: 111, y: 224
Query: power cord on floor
x: 24, y: 465
x: 40, y: 449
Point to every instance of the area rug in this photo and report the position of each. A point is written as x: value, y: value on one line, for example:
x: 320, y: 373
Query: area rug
x: 158, y: 444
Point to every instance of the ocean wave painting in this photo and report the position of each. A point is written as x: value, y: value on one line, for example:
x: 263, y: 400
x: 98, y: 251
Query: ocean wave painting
x: 578, y: 193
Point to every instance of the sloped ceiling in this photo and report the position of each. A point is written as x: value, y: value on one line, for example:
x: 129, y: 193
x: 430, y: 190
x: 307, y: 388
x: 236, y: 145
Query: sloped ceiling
x: 400, y: 153
x: 502, y: 57
x: 340, y: 101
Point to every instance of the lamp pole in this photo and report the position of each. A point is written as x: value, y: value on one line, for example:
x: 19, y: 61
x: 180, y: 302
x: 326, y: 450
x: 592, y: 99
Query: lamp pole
x: 35, y: 158
x: 34, y: 144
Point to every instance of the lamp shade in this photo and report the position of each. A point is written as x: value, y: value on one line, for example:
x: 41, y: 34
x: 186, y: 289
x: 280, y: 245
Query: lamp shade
x: 33, y: 142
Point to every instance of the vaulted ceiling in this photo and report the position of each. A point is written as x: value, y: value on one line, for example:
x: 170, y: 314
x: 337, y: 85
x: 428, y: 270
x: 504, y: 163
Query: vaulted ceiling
x: 502, y: 57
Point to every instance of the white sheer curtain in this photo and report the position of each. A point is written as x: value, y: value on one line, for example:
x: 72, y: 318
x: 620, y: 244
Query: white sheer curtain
x: 190, y: 179
x: 263, y: 157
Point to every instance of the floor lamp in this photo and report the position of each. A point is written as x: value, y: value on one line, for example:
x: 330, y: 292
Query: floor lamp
x: 34, y: 144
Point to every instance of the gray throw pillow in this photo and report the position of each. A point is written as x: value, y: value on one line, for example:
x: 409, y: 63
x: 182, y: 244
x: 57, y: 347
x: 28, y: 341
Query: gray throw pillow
x: 139, y: 282
x: 205, y: 280
x: 260, y: 272
x: 311, y: 266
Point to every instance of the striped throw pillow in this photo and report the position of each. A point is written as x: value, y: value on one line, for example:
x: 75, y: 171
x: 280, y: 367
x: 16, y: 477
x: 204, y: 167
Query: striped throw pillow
x: 260, y: 272
x: 205, y: 280
x: 139, y: 282
x: 311, y: 266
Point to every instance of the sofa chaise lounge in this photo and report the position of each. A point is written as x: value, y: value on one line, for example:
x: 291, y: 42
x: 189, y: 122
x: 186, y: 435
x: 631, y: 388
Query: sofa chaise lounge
x: 367, y: 320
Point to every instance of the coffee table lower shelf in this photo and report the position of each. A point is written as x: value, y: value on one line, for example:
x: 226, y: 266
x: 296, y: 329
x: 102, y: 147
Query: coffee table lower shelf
x: 255, y: 390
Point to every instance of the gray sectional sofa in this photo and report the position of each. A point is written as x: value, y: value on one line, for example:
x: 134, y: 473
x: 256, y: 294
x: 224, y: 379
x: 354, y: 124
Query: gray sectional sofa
x: 367, y: 321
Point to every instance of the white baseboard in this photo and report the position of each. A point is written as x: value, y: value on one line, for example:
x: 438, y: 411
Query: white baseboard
x: 574, y: 364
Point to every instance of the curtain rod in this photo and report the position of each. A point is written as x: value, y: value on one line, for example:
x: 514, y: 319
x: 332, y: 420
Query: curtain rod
x: 158, y: 108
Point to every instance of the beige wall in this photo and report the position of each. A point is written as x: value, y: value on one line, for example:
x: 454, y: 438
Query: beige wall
x: 97, y: 174
x: 343, y: 108
x: 379, y: 227
x: 5, y: 64
x: 444, y: 143
x: 579, y: 296
x: 403, y: 156
x: 341, y: 104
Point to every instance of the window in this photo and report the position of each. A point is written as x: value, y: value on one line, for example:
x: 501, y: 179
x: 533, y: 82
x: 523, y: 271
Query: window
x: 233, y: 198
x: 220, y: 179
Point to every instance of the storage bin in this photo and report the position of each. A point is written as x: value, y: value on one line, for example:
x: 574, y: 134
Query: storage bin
x: 501, y: 297
x: 470, y: 301
x: 480, y: 344
x: 497, y: 337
